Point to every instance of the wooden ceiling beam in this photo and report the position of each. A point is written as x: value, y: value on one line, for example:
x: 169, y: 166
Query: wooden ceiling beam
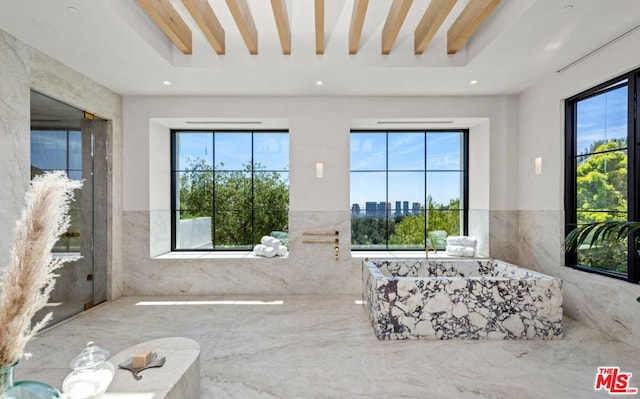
x: 431, y: 21
x: 357, y: 22
x: 203, y: 15
x: 244, y: 20
x: 397, y: 14
x: 169, y: 21
x: 319, y: 12
x: 468, y: 22
x: 282, y: 23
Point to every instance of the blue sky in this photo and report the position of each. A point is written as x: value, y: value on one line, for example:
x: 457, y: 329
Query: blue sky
x: 406, y: 160
x: 602, y: 117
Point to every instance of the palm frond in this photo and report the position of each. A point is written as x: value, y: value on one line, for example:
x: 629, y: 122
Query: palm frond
x: 598, y: 233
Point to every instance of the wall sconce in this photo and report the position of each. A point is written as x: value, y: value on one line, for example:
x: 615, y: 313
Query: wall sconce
x: 538, y: 165
x: 319, y: 170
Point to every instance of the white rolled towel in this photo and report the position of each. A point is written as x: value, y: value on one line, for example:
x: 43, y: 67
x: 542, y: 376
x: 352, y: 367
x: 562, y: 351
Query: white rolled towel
x: 460, y: 250
x: 263, y: 250
x: 469, y: 252
x: 454, y: 250
x: 271, y: 242
x: 468, y: 241
x: 454, y: 240
x: 282, y: 251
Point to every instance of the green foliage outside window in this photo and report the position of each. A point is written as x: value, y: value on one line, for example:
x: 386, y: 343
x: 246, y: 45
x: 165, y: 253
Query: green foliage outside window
x: 249, y: 204
x: 602, y: 196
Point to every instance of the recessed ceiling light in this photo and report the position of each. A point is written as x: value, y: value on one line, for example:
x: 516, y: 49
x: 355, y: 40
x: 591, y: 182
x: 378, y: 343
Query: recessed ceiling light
x: 166, y: 83
x: 72, y: 9
x: 473, y: 82
x: 319, y: 83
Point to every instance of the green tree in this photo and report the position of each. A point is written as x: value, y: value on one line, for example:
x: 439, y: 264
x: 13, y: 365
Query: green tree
x: 248, y: 204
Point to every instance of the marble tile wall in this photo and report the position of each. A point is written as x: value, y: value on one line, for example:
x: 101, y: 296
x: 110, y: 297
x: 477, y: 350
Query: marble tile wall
x: 603, y: 303
x: 471, y: 304
x: 23, y: 68
x: 308, y: 269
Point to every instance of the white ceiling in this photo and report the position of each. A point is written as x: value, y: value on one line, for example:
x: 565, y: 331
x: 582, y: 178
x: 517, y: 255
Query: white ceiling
x: 117, y: 45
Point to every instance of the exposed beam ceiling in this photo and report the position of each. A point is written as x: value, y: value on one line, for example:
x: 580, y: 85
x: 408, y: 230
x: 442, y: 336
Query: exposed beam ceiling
x: 357, y: 22
x: 319, y: 22
x: 282, y: 22
x: 473, y: 15
x: 244, y: 20
x: 397, y: 14
x: 431, y: 21
x: 203, y: 15
x: 170, y: 22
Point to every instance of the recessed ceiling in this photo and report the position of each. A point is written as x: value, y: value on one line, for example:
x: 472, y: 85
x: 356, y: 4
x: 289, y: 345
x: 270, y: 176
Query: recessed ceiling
x: 118, y: 45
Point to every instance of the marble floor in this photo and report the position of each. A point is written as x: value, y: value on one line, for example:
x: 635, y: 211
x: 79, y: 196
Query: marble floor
x: 324, y: 347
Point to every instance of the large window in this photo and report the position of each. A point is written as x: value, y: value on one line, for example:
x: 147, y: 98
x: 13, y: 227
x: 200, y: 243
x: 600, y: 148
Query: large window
x: 229, y: 188
x: 408, y: 188
x: 601, y: 179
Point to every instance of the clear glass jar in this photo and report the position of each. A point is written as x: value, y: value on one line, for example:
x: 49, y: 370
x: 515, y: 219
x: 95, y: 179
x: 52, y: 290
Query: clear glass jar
x: 23, y: 389
x: 91, y: 374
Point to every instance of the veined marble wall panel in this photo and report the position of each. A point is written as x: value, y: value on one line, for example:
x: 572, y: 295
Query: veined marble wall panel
x: 479, y: 228
x: 603, y: 303
x: 159, y: 232
x: 14, y: 128
x: 503, y: 233
x: 23, y: 68
x: 308, y: 269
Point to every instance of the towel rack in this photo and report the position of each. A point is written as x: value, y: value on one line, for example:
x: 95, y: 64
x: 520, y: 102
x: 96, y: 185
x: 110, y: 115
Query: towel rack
x: 335, y: 241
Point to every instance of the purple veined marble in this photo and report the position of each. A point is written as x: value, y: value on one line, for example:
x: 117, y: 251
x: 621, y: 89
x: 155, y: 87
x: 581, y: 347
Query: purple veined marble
x: 460, y: 299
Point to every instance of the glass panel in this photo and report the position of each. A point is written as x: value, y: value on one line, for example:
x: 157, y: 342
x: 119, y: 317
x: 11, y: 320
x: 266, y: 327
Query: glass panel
x: 406, y: 151
x: 195, y: 150
x: 269, y: 223
x: 368, y: 151
x: 75, y: 150
x: 406, y: 231
x: 195, y: 192
x: 233, y: 191
x: 406, y: 193
x: 75, y: 174
x: 48, y: 150
x: 368, y: 191
x: 271, y: 190
x: 608, y: 256
x: 444, y: 190
x: 601, y: 181
x: 369, y: 232
x: 233, y: 151
x: 271, y: 151
x: 193, y: 229
x: 232, y: 230
x: 601, y: 119
x: 444, y: 151
x: 443, y: 223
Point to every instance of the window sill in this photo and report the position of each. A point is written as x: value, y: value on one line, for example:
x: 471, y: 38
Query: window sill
x: 404, y: 255
x: 212, y: 255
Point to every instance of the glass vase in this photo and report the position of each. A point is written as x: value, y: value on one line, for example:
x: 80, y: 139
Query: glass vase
x: 10, y: 389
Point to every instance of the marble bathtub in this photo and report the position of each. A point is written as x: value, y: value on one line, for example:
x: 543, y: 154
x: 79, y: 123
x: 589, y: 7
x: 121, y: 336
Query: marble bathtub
x: 460, y: 299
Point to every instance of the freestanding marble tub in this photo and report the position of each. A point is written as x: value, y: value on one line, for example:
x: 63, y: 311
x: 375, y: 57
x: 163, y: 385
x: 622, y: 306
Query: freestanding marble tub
x: 460, y: 299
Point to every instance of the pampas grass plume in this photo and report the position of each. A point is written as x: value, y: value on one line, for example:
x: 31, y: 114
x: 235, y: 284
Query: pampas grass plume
x: 29, y: 278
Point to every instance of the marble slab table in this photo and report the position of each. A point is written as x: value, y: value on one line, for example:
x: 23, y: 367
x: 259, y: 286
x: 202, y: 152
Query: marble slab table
x: 179, y: 378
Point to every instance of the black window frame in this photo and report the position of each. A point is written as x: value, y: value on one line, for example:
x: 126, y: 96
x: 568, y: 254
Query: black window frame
x: 174, y: 194
x: 632, y: 79
x: 465, y: 185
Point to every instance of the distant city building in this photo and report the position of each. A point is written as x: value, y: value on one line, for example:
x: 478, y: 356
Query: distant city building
x: 382, y: 209
x: 355, y: 210
x: 398, y: 209
x: 370, y: 208
x: 415, y: 208
x: 405, y: 208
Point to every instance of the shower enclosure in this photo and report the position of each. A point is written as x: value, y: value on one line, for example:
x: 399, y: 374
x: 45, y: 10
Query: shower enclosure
x: 69, y: 139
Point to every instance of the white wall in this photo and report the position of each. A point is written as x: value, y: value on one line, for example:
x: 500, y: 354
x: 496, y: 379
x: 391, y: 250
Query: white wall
x: 319, y: 130
x: 604, y: 303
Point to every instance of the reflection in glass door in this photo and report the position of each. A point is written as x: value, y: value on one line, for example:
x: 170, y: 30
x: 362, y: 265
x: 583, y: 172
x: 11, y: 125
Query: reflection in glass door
x: 63, y: 138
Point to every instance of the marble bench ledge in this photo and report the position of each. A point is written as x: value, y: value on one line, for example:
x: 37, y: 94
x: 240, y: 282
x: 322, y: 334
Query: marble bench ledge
x: 179, y: 378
